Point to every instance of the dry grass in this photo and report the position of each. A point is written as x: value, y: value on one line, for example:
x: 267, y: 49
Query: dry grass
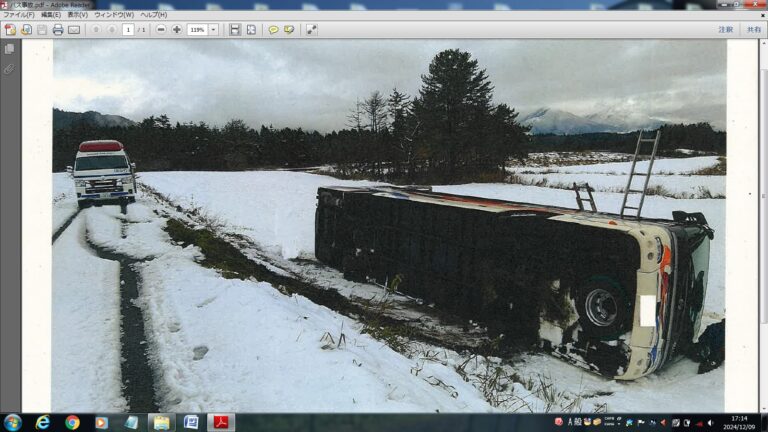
x: 719, y: 169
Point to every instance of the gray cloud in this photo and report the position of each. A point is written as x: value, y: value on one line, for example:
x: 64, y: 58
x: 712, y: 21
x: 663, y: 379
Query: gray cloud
x: 313, y: 83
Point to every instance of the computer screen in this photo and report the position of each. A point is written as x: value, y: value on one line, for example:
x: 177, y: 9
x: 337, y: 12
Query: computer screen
x: 335, y: 220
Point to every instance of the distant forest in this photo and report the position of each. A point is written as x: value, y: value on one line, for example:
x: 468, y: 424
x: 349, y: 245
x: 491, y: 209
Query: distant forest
x: 450, y: 131
x: 699, y: 137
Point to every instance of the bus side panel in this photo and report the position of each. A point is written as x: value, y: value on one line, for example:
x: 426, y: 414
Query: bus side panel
x: 457, y: 259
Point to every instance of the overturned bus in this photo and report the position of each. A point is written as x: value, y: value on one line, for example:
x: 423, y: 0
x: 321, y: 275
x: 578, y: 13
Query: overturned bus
x: 618, y: 297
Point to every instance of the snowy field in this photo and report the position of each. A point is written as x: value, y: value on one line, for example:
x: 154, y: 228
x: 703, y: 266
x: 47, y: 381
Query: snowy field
x: 672, y: 177
x: 234, y: 345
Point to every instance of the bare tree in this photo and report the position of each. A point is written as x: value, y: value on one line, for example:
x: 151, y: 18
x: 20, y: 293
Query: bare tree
x: 375, y: 109
x: 355, y: 116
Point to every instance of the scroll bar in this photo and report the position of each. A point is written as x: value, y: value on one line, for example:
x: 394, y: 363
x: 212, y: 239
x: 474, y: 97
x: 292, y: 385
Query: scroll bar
x: 763, y: 250
x: 763, y: 149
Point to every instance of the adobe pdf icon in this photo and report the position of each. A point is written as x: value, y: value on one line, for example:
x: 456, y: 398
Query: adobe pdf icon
x: 221, y: 422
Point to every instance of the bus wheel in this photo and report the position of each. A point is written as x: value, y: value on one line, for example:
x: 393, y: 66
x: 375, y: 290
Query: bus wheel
x: 603, y: 307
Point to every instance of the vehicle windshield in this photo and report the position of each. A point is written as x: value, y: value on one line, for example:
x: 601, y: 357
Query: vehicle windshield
x: 101, y: 162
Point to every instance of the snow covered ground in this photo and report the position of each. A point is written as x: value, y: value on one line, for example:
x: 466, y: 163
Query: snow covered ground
x: 220, y: 344
x: 233, y: 345
x: 86, y: 327
x: 64, y: 202
x: 681, y: 166
x: 672, y: 177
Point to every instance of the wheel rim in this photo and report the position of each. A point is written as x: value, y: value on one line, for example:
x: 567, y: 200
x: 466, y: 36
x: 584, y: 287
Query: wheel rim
x: 601, y: 307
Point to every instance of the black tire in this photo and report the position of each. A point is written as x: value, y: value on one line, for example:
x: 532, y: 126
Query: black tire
x: 82, y: 204
x: 132, y: 200
x: 604, y: 307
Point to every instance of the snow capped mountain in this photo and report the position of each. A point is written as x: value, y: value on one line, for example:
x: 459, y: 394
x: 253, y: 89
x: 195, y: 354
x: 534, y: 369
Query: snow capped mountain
x: 559, y: 122
x: 624, y: 120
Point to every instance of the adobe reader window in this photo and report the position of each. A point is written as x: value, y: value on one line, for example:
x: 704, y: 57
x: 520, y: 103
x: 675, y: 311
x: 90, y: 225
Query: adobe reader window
x: 337, y: 220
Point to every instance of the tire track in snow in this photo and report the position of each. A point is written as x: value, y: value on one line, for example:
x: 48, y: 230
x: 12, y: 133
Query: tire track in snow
x: 64, y: 226
x: 137, y: 374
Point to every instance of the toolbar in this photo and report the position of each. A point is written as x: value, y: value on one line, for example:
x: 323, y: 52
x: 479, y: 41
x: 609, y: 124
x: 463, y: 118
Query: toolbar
x: 379, y: 29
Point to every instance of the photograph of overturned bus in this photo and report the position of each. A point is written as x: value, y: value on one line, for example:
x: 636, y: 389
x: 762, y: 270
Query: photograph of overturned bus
x: 617, y: 296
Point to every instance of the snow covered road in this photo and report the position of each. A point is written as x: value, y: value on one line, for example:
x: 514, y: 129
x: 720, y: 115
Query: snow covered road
x: 86, y: 327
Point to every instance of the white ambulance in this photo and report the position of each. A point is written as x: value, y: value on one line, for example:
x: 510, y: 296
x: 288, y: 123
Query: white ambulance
x: 103, y: 172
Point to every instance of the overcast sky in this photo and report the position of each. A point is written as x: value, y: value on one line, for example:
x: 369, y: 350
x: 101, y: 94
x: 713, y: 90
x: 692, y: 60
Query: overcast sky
x: 314, y: 83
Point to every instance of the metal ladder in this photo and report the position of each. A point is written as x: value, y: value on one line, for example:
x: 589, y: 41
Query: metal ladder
x: 580, y: 198
x: 632, y: 173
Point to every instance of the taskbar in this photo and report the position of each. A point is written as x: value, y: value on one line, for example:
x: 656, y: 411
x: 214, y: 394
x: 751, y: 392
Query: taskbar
x: 231, y: 422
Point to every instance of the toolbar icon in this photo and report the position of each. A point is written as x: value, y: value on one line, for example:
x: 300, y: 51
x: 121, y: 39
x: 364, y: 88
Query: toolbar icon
x: 273, y: 29
x: 234, y: 29
x: 191, y: 421
x: 10, y: 29
x: 161, y: 421
x: 132, y: 422
x: 43, y: 422
x: 26, y: 29
x: 311, y: 29
x: 42, y: 29
x: 102, y: 423
x: 72, y: 422
x: 288, y: 29
x: 58, y: 29
x: 250, y: 29
x: 221, y: 422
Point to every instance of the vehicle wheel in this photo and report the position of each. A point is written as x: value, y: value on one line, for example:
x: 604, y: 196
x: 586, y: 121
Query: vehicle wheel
x: 132, y: 199
x: 604, y: 307
x: 82, y: 204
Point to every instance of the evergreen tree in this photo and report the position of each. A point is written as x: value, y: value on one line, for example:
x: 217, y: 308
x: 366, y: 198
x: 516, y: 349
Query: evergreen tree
x: 454, y: 104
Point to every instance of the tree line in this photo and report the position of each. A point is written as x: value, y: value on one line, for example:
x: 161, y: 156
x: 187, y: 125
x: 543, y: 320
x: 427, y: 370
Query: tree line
x: 449, y: 131
x: 700, y: 137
